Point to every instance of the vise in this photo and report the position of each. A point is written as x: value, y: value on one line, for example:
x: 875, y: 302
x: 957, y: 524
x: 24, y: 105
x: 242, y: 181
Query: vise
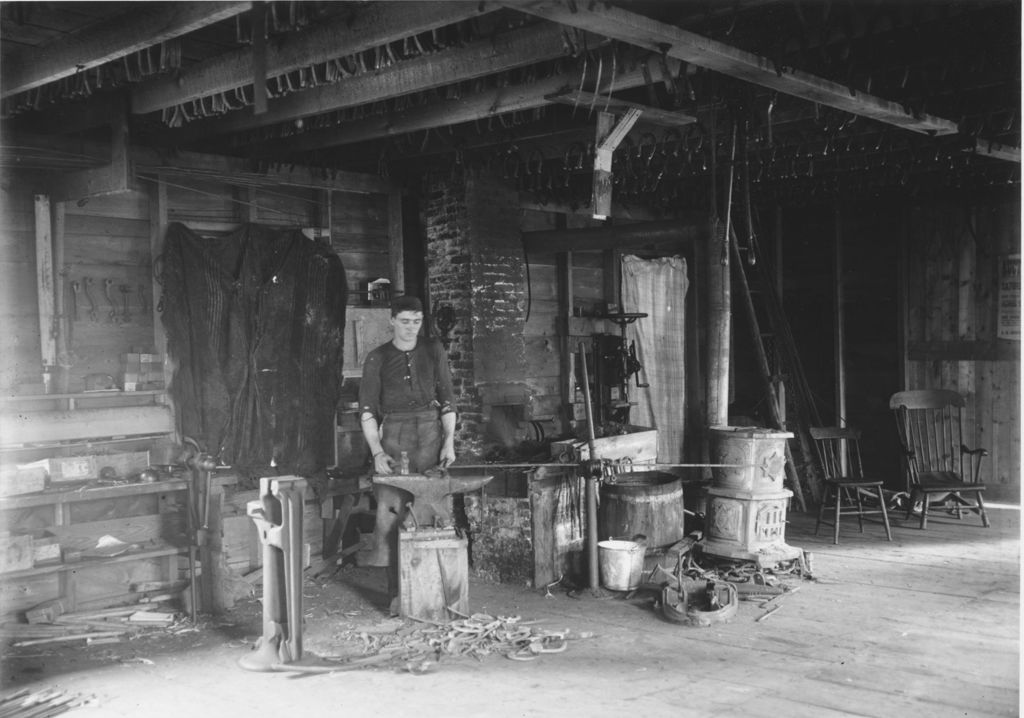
x: 432, y: 494
x: 278, y: 517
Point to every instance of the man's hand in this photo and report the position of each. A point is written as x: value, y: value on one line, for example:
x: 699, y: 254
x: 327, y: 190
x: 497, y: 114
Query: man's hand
x: 447, y: 456
x: 383, y: 464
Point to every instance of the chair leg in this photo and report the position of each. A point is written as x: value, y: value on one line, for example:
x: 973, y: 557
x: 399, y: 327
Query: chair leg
x: 981, y: 509
x: 860, y: 510
x: 822, y: 507
x: 839, y: 503
x: 885, y: 513
x: 924, y: 509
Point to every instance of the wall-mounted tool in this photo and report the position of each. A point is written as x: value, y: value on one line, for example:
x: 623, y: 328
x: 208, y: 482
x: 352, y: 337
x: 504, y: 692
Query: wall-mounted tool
x: 112, y: 314
x: 87, y: 287
x: 125, y: 291
x: 76, y: 287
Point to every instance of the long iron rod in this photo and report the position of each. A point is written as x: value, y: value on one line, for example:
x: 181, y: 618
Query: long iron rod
x: 591, y: 480
x: 572, y: 465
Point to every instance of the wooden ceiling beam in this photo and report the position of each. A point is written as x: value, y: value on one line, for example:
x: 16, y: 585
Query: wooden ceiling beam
x: 28, y: 68
x: 479, y: 106
x: 659, y: 37
x: 369, y: 26
x: 654, y: 115
x: 484, y: 57
x: 684, y: 231
x: 149, y: 162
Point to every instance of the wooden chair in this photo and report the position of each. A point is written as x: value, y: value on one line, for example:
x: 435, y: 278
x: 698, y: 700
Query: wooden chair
x: 838, y: 451
x: 939, y: 464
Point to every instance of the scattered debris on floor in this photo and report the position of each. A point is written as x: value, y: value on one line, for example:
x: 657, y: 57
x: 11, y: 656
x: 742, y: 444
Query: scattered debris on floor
x: 419, y: 647
x: 41, y: 704
x: 702, y: 592
x: 48, y: 624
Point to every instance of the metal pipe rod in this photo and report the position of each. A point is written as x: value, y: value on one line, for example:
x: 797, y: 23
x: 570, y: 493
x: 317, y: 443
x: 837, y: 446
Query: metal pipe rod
x: 591, y: 480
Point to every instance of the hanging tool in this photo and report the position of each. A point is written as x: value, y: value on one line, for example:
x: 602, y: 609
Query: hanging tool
x: 633, y: 366
x: 87, y: 287
x: 75, y: 289
x: 112, y: 314
x: 125, y: 291
x: 143, y: 300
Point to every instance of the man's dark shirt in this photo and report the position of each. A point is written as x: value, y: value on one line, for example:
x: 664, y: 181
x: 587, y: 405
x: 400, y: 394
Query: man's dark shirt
x: 416, y: 380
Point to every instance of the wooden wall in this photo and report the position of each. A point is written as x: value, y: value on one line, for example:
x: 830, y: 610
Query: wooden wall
x: 544, y: 345
x: 108, y: 239
x: 951, y: 264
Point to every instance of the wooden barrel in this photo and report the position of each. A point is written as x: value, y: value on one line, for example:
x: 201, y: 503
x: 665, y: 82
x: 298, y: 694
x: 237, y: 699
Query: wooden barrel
x: 642, y: 502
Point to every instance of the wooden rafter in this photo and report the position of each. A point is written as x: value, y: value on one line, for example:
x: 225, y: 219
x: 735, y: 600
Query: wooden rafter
x: 27, y: 68
x: 479, y: 106
x: 230, y: 170
x: 644, y: 32
x: 654, y: 115
x: 484, y: 57
x: 371, y: 26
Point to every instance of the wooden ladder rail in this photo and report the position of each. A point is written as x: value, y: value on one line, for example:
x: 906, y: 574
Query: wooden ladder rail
x: 766, y: 374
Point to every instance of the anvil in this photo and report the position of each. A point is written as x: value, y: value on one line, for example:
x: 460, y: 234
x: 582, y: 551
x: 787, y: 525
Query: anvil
x: 431, y: 493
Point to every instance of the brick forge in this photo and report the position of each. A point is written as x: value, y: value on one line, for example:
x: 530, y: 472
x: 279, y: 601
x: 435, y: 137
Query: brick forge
x: 475, y: 265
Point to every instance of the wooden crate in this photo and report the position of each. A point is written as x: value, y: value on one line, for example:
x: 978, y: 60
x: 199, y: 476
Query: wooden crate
x: 15, y: 552
x: 639, y: 445
x: 15, y: 480
x: 433, y: 574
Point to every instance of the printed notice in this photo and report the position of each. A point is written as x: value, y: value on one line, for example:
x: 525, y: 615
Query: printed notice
x: 1009, y: 297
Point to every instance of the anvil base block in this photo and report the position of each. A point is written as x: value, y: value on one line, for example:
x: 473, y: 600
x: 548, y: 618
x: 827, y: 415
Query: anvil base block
x: 748, y: 526
x: 433, y: 575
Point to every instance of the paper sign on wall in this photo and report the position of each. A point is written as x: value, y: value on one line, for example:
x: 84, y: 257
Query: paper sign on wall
x: 1009, y: 297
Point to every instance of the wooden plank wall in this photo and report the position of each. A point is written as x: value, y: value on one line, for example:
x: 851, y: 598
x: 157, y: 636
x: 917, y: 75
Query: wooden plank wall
x: 543, y: 348
x: 19, y: 354
x: 952, y: 260
x: 359, y: 234
x: 107, y: 238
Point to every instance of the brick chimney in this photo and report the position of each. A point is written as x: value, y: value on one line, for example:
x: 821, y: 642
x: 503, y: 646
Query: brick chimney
x: 475, y: 266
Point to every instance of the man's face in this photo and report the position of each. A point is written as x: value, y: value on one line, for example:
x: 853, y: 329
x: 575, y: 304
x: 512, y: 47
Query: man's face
x: 407, y: 325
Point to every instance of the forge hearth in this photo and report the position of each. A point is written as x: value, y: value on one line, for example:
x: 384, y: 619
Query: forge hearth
x: 747, y: 503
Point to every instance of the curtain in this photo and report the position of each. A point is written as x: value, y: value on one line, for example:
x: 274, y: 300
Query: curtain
x: 657, y: 287
x: 255, y: 322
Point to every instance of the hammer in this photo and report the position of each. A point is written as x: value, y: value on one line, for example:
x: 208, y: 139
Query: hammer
x: 431, y: 505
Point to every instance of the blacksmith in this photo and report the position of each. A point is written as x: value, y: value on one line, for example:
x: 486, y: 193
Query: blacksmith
x: 406, y: 409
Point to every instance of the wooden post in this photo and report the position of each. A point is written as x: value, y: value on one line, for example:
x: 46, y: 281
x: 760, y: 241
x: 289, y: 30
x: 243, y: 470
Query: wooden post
x: 839, y: 323
x: 258, y: 23
x: 325, y: 215
x: 563, y: 270
x: 65, y: 322
x: 780, y: 383
x: 903, y: 323
x: 719, y: 322
x: 609, y: 135
x: 396, y: 242
x: 44, y: 288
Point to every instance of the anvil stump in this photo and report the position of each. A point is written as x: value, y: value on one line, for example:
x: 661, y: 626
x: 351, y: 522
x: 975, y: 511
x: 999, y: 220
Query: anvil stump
x: 433, y: 575
x: 433, y: 561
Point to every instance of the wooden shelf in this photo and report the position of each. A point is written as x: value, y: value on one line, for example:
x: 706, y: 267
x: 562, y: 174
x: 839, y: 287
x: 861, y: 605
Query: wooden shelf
x: 11, y: 398
x: 64, y: 496
x: 87, y: 563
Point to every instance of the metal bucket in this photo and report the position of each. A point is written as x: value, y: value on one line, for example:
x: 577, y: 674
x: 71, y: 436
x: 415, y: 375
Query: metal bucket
x: 621, y: 564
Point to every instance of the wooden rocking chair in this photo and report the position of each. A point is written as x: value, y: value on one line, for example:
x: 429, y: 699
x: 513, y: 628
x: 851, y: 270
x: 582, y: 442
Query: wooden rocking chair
x: 939, y: 465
